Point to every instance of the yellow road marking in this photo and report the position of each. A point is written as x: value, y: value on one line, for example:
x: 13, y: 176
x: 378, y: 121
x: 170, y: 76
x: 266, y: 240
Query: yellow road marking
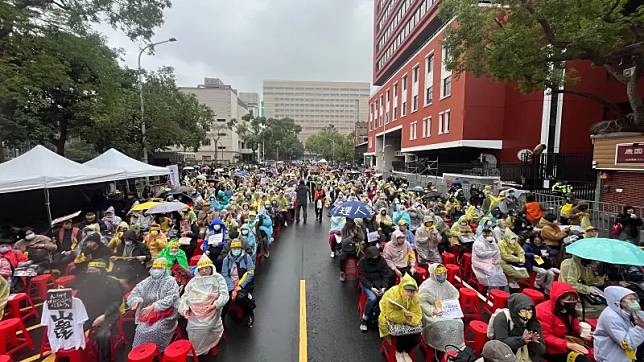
x: 303, y: 341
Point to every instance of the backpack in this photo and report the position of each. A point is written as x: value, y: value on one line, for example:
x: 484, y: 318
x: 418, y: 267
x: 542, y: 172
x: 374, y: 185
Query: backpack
x: 616, y: 229
x: 466, y: 354
x: 490, y: 326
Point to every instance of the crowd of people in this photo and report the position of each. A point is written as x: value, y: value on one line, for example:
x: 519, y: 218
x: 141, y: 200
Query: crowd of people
x: 198, y: 262
x: 513, y: 242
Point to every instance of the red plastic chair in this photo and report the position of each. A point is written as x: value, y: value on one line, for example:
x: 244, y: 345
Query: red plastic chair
x: 361, y: 303
x: 528, y: 283
x: 452, y: 271
x: 41, y: 282
x: 5, y: 358
x: 466, y: 266
x: 469, y: 301
x: 536, y: 296
x: 498, y: 298
x: 14, y: 306
x: 145, y: 352
x: 73, y: 355
x: 388, y: 348
x: 478, y: 331
x: 354, y: 260
x: 422, y: 273
x: 64, y: 281
x: 448, y: 258
x: 9, y: 340
x: 178, y: 351
x: 427, y: 350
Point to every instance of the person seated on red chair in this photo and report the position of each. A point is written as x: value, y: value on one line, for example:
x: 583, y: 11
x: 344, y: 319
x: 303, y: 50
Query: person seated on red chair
x: 399, y: 255
x: 102, y: 296
x: 9, y: 259
x: 374, y: 275
x: 560, y: 322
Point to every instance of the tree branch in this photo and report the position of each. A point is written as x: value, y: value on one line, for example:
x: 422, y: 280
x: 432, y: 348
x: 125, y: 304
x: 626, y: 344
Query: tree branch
x: 547, y: 29
x: 594, y: 97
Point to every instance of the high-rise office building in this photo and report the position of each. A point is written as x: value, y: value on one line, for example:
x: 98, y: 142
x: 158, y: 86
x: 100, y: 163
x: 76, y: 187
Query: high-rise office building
x: 252, y: 102
x: 316, y: 106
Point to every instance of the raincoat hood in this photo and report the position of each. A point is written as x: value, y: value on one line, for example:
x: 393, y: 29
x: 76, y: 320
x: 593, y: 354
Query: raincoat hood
x: 218, y: 221
x: 614, y: 295
x: 560, y: 288
x: 110, y: 209
x: 518, y: 301
x: 509, y: 234
x: 406, y: 281
x: 543, y: 222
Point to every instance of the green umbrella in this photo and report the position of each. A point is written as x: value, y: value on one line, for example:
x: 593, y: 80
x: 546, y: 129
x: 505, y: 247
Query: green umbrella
x: 608, y: 251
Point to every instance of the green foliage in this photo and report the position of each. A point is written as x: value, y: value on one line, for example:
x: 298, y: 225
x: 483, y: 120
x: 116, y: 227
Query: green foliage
x: 332, y: 146
x: 280, y: 139
x: 528, y: 42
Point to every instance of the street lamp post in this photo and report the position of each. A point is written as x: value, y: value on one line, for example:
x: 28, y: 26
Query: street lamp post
x: 149, y: 46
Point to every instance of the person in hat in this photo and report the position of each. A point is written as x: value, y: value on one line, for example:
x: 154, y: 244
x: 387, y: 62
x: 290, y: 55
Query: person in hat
x: 102, y: 296
x: 174, y: 255
x: 117, y: 239
x: 67, y: 237
x: 90, y: 218
x: 154, y: 300
x: 39, y: 248
x: 202, y: 303
x: 400, y: 305
x: 486, y: 261
x: 375, y: 276
x: 111, y: 220
x: 591, y: 232
x: 238, y: 269
x: 130, y: 259
x: 439, y: 330
x: 155, y: 240
x: 92, y: 248
x: 497, y: 351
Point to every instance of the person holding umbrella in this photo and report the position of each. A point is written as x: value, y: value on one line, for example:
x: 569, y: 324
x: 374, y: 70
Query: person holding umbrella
x: 352, y: 240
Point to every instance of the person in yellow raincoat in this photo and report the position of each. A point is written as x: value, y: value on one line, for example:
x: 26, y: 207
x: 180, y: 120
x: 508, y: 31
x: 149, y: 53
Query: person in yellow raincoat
x: 155, y: 240
x: 512, y: 258
x: 400, y: 305
x: 460, y: 230
x: 4, y: 295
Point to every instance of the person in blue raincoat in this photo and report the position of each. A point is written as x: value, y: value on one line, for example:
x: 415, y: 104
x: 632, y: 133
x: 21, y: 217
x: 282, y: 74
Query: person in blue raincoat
x: 264, y: 225
x: 238, y: 269
x: 214, y: 204
x: 620, y: 328
x: 215, y: 239
x: 247, y: 237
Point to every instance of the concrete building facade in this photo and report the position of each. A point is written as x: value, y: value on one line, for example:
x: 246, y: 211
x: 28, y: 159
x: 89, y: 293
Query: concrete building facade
x: 251, y: 99
x: 222, y: 145
x: 317, y: 105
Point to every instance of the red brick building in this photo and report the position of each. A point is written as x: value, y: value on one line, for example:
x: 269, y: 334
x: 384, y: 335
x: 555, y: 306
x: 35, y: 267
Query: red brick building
x: 422, y: 110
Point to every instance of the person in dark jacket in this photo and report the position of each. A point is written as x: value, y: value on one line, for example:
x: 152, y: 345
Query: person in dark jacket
x: 102, y: 296
x: 540, y: 259
x: 523, y: 332
x: 374, y: 275
x: 631, y: 225
x: 352, y: 240
x: 130, y: 259
x: 302, y: 199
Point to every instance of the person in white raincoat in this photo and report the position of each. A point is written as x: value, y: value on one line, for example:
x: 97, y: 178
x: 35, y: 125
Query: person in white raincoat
x: 486, y: 262
x: 154, y: 299
x: 201, y: 304
x: 439, y: 331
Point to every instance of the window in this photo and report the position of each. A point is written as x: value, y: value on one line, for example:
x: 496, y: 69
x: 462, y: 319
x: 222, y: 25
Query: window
x: 395, y: 90
x: 404, y: 108
x: 414, y: 103
x: 447, y: 86
x: 441, y: 117
x: 427, y: 127
x: 446, y: 122
x: 429, y: 79
x: 221, y: 120
x: 404, y: 82
x: 428, y: 95
x: 206, y: 142
x: 395, y: 113
x: 412, y: 131
x: 415, y: 75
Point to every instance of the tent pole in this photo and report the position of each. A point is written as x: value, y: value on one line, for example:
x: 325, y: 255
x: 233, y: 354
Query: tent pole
x: 46, y: 190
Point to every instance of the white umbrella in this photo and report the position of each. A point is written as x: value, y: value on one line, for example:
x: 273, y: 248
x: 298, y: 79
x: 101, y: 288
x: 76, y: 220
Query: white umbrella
x: 64, y: 218
x: 167, y: 207
x: 322, y: 161
x: 188, y: 168
x: 219, y: 170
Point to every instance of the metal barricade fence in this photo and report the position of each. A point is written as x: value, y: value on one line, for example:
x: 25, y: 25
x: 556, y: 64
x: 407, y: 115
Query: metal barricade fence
x: 602, y: 214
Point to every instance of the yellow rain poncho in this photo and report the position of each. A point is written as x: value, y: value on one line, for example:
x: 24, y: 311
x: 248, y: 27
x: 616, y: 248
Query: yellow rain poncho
x: 389, y: 311
x: 512, y: 252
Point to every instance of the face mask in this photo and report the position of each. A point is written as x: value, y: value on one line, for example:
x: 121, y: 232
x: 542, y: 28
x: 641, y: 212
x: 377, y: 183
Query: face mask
x: 173, y: 254
x: 525, y: 315
x: 383, y: 213
x: 632, y: 306
x: 441, y: 278
x: 236, y: 252
x: 157, y: 273
x: 128, y: 242
x: 512, y: 241
x: 490, y: 239
x: 245, y: 232
x: 30, y: 236
x: 4, y: 249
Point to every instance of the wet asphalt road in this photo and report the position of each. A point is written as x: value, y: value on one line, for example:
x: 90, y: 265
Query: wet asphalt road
x: 302, y: 252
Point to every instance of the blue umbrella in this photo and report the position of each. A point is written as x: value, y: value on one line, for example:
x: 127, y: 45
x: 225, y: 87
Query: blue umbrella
x: 353, y: 210
x: 241, y: 173
x: 608, y: 251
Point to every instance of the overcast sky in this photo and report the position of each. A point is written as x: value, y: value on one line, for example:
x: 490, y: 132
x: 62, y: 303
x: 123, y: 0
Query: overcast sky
x: 246, y: 41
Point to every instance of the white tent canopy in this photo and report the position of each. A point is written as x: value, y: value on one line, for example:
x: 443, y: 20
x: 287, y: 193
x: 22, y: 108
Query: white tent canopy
x: 40, y: 168
x: 115, y: 160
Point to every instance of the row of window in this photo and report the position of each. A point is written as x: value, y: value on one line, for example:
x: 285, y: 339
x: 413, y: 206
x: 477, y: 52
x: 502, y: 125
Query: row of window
x: 443, y: 125
x: 378, y: 116
x: 402, y: 11
x: 319, y: 104
x: 317, y: 90
x: 402, y: 34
